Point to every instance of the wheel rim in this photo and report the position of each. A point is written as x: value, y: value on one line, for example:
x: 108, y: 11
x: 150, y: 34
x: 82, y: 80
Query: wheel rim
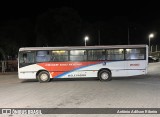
x: 44, y: 77
x: 104, y: 76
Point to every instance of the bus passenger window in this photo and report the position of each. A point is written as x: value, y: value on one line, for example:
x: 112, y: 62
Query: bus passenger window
x: 135, y: 54
x: 59, y: 55
x: 96, y: 55
x: 43, y: 56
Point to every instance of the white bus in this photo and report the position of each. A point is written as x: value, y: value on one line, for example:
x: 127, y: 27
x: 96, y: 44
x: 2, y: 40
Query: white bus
x: 104, y: 62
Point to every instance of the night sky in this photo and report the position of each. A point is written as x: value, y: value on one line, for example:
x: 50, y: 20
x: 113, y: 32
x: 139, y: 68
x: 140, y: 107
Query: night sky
x: 113, y: 20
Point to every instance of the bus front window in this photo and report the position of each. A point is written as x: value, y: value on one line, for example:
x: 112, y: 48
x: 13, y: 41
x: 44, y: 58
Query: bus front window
x: 26, y: 57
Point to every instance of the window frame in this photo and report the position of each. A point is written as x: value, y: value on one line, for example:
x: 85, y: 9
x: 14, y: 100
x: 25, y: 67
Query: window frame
x: 117, y: 54
x: 95, y: 49
x: 42, y: 61
x: 59, y: 50
x: 23, y: 64
x: 77, y: 55
x: 135, y: 59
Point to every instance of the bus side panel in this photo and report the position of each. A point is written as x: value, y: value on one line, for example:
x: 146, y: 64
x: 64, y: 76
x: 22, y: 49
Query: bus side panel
x: 29, y: 72
x: 69, y: 69
x: 117, y: 68
x: 84, y: 69
x: 91, y: 70
x: 136, y: 67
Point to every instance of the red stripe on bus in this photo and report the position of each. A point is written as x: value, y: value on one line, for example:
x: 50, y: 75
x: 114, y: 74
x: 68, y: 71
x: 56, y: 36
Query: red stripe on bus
x: 63, y: 66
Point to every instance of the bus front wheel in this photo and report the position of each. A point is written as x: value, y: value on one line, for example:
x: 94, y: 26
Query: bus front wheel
x: 43, y: 76
x: 104, y: 75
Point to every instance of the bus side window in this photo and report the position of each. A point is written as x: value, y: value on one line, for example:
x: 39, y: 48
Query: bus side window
x: 103, y: 56
x: 43, y: 56
x: 53, y: 57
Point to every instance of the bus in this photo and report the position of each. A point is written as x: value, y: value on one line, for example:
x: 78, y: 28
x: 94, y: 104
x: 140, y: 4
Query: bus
x: 103, y: 62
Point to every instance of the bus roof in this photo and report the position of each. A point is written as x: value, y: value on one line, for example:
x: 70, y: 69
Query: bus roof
x: 81, y: 47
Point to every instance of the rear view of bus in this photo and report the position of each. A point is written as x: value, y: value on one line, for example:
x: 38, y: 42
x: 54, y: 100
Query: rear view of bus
x: 104, y: 62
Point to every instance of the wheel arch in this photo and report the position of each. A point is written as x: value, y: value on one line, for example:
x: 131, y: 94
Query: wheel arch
x: 104, y: 69
x: 41, y: 71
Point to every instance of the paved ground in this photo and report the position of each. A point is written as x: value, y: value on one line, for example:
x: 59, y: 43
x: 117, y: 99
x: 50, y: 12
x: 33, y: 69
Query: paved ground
x: 136, y: 92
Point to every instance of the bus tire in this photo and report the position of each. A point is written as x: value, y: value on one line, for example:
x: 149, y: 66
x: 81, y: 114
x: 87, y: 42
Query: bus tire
x: 104, y: 75
x: 43, y: 76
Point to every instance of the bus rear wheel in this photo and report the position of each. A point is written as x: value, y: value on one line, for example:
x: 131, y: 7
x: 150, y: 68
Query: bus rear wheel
x: 43, y: 76
x: 104, y: 75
